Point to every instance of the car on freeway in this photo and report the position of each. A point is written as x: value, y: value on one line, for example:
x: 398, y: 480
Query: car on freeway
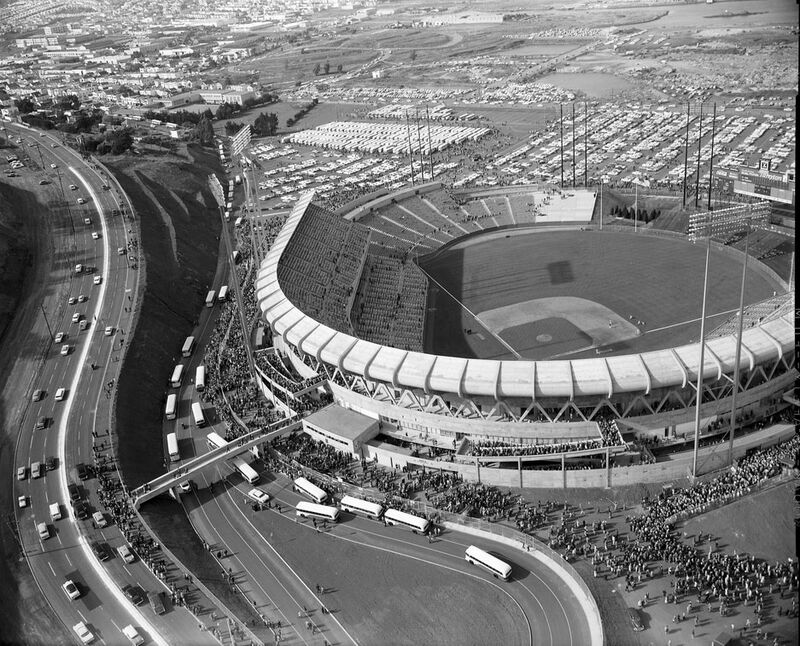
x: 133, y: 635
x: 60, y: 337
x: 134, y: 594
x: 97, y: 280
x: 72, y: 300
x: 185, y: 486
x: 53, y: 165
x: 61, y: 394
x: 84, y: 634
x: 95, y: 235
x: 65, y: 349
x: 84, y: 324
x: 636, y: 620
x: 100, y: 518
x: 51, y: 463
x: 106, y: 187
x: 38, y: 394
x: 42, y: 423
x: 83, y: 471
x: 76, y: 317
x: 22, y: 501
x: 87, y: 220
x: 74, y: 492
x: 82, y: 298
x: 81, y: 200
x: 121, y: 251
x: 109, y: 330
x: 70, y: 589
x: 22, y: 473
x: 72, y: 187
x: 114, y: 212
x: 101, y: 551
x: 53, y: 145
x: 81, y: 510
x: 43, y: 182
x: 126, y: 553
x: 258, y: 495
x: 78, y: 268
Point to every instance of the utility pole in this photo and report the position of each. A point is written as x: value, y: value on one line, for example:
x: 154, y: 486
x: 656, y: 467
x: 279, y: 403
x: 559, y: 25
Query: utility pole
x: 699, y: 144
x: 739, y: 332
x: 573, y: 145
x: 410, y: 150
x: 699, y: 396
x: 419, y: 145
x: 561, y: 122
x: 46, y: 322
x: 711, y: 161
x: 430, y: 147
x: 686, y: 154
x: 585, y: 145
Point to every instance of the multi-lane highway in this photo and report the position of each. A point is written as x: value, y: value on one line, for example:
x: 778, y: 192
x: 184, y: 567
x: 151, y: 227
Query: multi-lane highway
x: 91, y: 236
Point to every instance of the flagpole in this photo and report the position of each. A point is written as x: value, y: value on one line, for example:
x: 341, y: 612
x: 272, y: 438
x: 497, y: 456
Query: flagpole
x: 699, y: 397
x: 738, y: 349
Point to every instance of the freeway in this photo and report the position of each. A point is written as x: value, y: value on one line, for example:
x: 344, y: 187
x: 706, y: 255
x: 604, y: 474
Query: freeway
x: 88, y: 234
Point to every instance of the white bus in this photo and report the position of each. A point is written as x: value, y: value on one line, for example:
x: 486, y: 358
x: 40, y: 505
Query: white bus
x: 210, y: 298
x: 223, y: 293
x: 476, y: 556
x: 414, y: 523
x: 188, y: 346
x: 245, y: 470
x: 214, y: 441
x: 358, y: 506
x: 197, y: 413
x: 172, y: 447
x: 177, y: 376
x: 312, y: 510
x: 311, y: 490
x: 171, y: 411
x: 200, y: 378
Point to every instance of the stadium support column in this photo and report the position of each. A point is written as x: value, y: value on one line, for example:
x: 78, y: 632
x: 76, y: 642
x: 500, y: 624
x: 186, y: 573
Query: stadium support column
x: 686, y: 154
x: 561, y: 122
x: 563, y: 472
x: 699, y: 397
x: 608, y: 467
x: 699, y: 145
x: 711, y: 160
x: 739, y: 331
x: 573, y: 145
x: 519, y: 470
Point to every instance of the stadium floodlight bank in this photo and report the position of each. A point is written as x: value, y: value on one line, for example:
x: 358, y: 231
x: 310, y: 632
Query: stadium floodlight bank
x: 172, y: 447
x: 188, y: 347
x: 200, y: 378
x: 362, y: 507
x: 214, y: 441
x: 414, y: 523
x: 477, y: 556
x: 245, y: 470
x: 171, y: 409
x: 303, y: 486
x: 313, y: 510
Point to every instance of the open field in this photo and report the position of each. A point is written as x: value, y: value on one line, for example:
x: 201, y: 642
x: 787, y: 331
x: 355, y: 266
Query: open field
x: 655, y: 280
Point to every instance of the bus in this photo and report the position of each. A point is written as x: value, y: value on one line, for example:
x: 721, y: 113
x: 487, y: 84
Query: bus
x: 214, y: 441
x: 358, y: 506
x: 311, y: 510
x: 177, y: 376
x: 476, y: 556
x: 197, y: 413
x: 200, y: 378
x: 301, y: 485
x: 245, y: 470
x: 414, y: 523
x: 172, y: 448
x: 210, y: 297
x: 188, y: 346
x: 223, y: 293
x: 171, y: 411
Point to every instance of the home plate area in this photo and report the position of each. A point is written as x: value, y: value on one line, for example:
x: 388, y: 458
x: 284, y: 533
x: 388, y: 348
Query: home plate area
x: 545, y: 328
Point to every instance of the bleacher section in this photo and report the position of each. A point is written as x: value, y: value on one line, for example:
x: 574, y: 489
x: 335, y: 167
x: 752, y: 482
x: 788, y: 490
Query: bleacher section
x: 755, y: 314
x: 320, y: 269
x: 389, y: 306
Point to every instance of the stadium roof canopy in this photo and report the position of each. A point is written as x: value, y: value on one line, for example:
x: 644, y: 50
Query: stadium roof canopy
x: 601, y: 376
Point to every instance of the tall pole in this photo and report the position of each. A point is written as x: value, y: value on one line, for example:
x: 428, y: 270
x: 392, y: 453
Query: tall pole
x: 699, y: 399
x: 699, y: 143
x: 635, y: 204
x: 686, y: 154
x: 585, y: 145
x: 573, y: 145
x: 561, y: 122
x: 738, y: 350
x: 711, y: 161
x: 46, y: 322
x: 601, y: 203
x: 430, y: 147
x: 419, y: 145
x: 410, y: 150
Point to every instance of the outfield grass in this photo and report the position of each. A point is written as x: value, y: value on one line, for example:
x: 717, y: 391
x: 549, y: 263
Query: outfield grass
x: 655, y: 280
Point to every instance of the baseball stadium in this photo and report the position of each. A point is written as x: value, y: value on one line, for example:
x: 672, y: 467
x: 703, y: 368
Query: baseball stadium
x: 509, y: 337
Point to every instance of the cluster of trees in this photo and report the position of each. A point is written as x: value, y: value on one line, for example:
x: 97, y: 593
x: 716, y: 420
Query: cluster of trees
x: 301, y: 113
x: 181, y: 117
x: 628, y: 212
x: 114, y: 142
x: 326, y: 68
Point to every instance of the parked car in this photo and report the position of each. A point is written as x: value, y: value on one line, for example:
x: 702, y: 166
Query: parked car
x: 100, y: 550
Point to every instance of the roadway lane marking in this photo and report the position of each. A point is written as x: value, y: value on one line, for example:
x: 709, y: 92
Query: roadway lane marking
x: 50, y: 565
x: 84, y: 619
x: 66, y: 556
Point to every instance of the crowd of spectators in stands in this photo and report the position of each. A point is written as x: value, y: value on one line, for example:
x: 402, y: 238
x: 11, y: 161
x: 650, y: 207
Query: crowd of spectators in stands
x: 283, y: 375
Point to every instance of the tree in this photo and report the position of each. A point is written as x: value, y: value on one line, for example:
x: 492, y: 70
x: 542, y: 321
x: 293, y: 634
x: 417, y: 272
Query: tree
x: 339, y: 68
x: 413, y: 55
x: 25, y: 105
x: 224, y: 111
x: 204, y: 132
x: 231, y: 127
x: 327, y: 67
x: 266, y: 124
x: 316, y: 69
x: 119, y: 141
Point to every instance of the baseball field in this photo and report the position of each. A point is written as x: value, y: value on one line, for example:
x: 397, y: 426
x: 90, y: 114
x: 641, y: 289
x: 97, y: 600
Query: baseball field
x: 539, y: 294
